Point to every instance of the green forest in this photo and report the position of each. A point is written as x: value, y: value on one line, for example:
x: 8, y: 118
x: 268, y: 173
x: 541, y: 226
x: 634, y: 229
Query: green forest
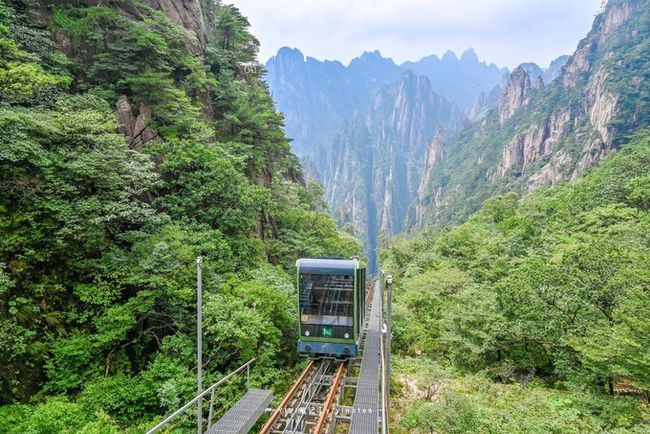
x: 532, y: 316
x: 99, y: 236
x: 130, y: 145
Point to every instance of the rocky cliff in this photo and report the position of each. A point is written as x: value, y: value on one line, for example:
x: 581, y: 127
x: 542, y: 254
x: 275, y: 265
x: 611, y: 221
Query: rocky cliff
x: 372, y: 171
x: 318, y: 97
x: 342, y: 118
x: 540, y: 135
x: 516, y: 95
x: 189, y: 14
x: 434, y: 155
x: 538, y: 78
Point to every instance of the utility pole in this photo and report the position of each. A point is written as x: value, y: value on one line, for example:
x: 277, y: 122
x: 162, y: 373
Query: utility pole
x: 199, y: 341
x: 381, y: 291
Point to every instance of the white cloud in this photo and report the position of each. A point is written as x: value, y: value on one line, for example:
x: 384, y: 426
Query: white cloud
x: 506, y: 32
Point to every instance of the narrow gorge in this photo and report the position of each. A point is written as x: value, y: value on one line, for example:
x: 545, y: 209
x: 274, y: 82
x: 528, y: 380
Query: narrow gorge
x: 374, y: 133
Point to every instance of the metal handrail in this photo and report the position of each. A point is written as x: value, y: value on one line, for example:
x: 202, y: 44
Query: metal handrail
x: 175, y: 414
x: 382, y: 352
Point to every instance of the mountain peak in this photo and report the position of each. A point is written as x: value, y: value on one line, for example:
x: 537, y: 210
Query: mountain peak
x: 534, y: 72
x: 469, y: 55
x: 289, y: 53
x: 375, y: 54
x: 516, y: 94
x: 449, y: 56
x: 370, y: 57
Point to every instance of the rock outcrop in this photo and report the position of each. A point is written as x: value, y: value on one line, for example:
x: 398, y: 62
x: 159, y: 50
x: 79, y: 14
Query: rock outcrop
x: 515, y: 96
x: 373, y: 168
x: 527, y: 148
x: 487, y: 101
x: 535, y: 74
x: 434, y: 155
x: 189, y: 15
x: 135, y: 125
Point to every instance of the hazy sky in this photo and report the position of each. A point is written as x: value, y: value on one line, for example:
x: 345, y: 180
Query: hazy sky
x: 506, y: 32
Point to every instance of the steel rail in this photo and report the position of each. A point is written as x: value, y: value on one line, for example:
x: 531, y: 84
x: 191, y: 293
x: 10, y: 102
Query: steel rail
x: 370, y: 285
x: 299, y: 418
x: 282, y: 406
x: 330, y: 398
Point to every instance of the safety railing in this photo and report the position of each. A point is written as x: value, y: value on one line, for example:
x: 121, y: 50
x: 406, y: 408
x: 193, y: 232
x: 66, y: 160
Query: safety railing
x: 210, y: 390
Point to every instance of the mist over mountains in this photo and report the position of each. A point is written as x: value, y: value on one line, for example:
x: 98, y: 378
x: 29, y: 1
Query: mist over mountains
x: 306, y: 89
x: 364, y: 130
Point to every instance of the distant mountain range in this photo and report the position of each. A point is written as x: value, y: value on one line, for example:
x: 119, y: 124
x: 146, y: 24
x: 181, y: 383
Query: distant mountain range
x: 366, y: 130
x: 317, y: 97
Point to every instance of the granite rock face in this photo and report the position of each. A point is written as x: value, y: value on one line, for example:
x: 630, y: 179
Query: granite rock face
x: 434, y: 155
x: 134, y: 124
x: 516, y: 94
x: 189, y: 15
x: 541, y: 134
x: 373, y: 169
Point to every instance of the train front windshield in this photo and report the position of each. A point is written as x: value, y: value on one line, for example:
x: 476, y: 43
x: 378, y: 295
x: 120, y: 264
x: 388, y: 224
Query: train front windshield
x: 327, y: 305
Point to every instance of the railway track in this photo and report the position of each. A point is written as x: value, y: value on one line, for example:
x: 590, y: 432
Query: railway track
x: 308, y: 406
x: 329, y: 396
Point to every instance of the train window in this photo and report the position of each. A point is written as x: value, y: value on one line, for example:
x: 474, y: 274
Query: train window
x: 327, y: 305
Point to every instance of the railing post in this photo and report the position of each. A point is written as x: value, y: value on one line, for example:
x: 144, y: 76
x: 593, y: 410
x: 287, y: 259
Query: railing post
x: 210, y: 389
x: 199, y: 342
x: 211, y: 412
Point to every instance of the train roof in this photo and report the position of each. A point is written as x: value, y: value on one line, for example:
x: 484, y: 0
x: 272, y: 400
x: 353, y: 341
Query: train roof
x: 327, y: 266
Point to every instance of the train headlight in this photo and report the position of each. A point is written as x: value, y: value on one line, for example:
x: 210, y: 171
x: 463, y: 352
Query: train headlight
x: 306, y: 332
x: 346, y: 336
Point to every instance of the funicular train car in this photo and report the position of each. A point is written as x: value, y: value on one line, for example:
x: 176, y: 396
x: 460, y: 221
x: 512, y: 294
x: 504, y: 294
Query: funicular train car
x: 331, y: 297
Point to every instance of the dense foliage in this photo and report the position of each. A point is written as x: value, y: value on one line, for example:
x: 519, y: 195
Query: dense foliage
x: 551, y: 289
x: 99, y: 235
x: 448, y: 403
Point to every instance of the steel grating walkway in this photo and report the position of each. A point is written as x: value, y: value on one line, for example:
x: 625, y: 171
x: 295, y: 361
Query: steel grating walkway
x: 366, y: 400
x: 243, y: 415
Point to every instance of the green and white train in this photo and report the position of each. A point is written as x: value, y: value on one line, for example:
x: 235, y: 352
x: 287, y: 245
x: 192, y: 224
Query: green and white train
x: 331, y: 301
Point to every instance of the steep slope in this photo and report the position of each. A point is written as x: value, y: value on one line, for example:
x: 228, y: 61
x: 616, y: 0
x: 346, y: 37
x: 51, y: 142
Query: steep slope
x: 539, y: 135
x: 372, y: 171
x: 486, y: 101
x: 531, y: 301
x: 372, y: 110
x: 317, y: 97
x: 130, y: 144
